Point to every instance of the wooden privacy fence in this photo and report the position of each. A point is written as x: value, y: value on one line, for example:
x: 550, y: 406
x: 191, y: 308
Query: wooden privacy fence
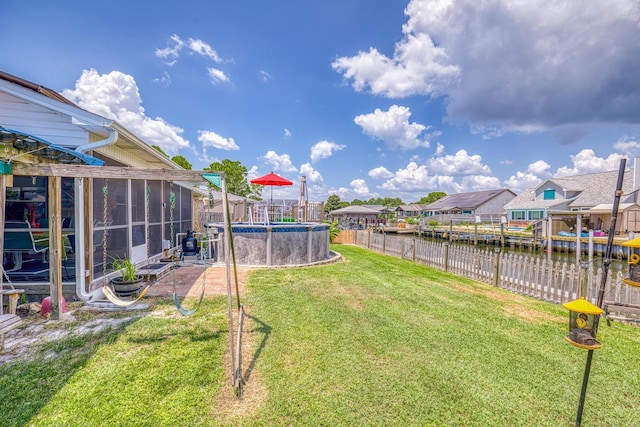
x: 557, y: 282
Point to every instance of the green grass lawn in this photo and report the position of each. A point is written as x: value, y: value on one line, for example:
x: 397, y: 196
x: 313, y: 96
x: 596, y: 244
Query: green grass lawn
x: 373, y: 340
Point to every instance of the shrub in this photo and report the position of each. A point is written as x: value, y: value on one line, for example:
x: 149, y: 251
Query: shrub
x: 333, y: 231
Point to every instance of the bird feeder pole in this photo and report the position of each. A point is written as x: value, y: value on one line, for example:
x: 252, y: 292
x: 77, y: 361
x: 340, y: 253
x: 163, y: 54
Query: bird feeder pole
x: 603, y: 283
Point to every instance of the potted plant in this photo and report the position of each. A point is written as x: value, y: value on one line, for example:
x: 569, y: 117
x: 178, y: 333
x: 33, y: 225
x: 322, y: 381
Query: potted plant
x: 129, y: 281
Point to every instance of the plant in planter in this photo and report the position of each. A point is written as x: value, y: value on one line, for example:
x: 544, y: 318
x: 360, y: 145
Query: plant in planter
x: 129, y: 281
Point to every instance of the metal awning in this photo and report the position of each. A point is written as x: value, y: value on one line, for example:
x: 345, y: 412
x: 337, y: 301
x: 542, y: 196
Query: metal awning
x: 606, y: 208
x: 23, y: 143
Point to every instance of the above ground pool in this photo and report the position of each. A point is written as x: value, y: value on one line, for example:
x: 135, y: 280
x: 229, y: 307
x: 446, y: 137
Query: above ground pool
x: 277, y: 244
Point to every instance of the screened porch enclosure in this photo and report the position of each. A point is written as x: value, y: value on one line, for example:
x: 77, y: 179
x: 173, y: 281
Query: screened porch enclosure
x: 126, y: 218
x: 133, y: 217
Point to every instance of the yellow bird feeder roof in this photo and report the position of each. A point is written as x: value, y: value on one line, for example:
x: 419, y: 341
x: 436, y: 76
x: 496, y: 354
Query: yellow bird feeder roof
x: 581, y: 305
x: 633, y: 243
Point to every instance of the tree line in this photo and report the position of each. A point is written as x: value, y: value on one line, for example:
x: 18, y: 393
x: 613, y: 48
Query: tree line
x: 334, y: 202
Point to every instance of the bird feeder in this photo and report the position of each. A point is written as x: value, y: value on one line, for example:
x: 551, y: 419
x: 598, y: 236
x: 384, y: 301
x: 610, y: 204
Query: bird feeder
x: 583, y: 323
x: 633, y: 275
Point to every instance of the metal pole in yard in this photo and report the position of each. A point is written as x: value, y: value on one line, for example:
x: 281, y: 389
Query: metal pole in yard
x: 603, y: 283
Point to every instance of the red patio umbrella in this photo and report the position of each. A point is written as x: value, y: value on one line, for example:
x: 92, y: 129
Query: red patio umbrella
x: 272, y: 180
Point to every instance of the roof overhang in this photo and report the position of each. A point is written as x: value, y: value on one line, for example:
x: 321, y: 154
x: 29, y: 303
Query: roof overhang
x: 50, y: 99
x: 129, y: 146
x: 605, y: 208
x: 22, y: 144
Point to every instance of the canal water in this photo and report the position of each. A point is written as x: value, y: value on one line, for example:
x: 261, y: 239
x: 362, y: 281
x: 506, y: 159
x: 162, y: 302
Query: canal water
x: 555, y: 256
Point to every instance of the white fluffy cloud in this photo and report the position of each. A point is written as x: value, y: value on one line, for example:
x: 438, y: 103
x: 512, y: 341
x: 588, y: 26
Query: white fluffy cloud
x: 539, y: 168
x: 324, y: 149
x: 312, y: 175
x: 416, y: 177
x: 359, y: 187
x: 212, y: 139
x: 115, y: 95
x: 479, y: 183
x: 535, y: 173
x: 449, y: 173
x: 512, y: 65
x: 380, y: 173
x: 217, y: 76
x: 417, y: 67
x: 586, y: 161
x: 393, y: 127
x: 279, y: 162
x: 522, y: 180
x: 627, y: 147
x: 459, y: 164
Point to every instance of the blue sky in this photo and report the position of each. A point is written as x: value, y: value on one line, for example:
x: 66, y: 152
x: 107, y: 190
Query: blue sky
x: 366, y: 98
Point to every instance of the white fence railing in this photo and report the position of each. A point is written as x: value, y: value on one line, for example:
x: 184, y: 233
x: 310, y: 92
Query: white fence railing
x: 556, y: 282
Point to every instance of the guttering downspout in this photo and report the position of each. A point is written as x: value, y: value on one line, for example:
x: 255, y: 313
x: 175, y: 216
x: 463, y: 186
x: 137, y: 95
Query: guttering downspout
x: 113, y: 136
x: 81, y: 273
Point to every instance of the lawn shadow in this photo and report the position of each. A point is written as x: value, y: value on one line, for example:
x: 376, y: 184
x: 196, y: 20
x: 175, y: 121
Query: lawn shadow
x: 265, y: 330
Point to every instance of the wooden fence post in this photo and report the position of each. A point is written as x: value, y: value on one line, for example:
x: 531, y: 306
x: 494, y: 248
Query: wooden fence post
x: 446, y: 256
x: 475, y: 234
x: 384, y: 242
x: 414, y: 250
x: 496, y: 268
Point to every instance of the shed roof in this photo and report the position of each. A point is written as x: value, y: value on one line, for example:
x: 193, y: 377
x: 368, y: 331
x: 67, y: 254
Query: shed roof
x: 355, y: 210
x: 409, y: 208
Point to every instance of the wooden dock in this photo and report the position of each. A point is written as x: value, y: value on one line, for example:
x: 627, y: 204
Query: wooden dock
x: 519, y: 240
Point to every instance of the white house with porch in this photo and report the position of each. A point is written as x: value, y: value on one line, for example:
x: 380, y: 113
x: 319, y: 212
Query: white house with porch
x: 66, y: 170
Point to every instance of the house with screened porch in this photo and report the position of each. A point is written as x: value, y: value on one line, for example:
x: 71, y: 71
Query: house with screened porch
x: 78, y: 191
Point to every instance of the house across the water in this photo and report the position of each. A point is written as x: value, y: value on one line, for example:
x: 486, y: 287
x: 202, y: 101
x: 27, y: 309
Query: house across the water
x: 488, y: 205
x: 577, y: 204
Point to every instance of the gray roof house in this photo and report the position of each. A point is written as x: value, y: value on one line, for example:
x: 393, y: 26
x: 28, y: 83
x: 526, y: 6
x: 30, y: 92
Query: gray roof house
x: 569, y: 194
x: 488, y: 203
x: 590, y: 195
